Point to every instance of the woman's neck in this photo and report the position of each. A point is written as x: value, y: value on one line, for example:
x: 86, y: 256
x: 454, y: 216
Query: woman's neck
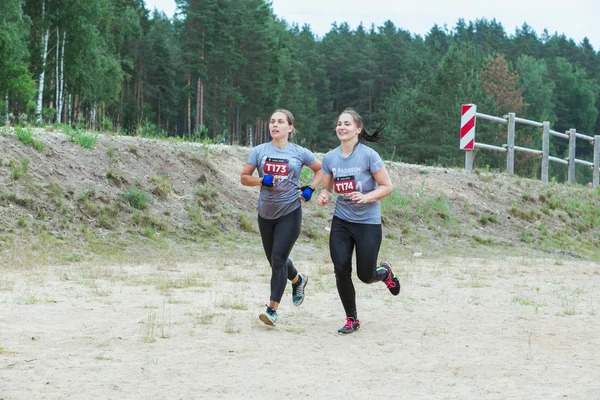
x: 348, y: 147
x: 280, y: 143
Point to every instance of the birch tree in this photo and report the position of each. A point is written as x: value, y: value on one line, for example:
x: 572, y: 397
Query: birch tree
x: 40, y: 97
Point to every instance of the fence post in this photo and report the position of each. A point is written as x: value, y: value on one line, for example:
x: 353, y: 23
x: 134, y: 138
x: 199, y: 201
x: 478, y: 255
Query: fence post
x: 545, y: 150
x: 467, y: 133
x: 510, y: 144
x: 572, y: 147
x: 596, y: 179
x: 469, y: 160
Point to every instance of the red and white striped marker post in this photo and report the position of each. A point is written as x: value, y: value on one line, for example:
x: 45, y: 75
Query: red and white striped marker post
x: 467, y: 133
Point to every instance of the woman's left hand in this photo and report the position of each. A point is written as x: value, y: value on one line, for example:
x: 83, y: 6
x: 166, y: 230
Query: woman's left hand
x: 359, y: 197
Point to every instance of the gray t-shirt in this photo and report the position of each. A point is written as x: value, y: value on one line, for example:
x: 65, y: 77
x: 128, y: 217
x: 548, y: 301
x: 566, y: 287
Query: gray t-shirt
x: 282, y: 198
x: 354, y: 174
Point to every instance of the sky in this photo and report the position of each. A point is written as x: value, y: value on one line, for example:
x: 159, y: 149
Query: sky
x: 575, y: 19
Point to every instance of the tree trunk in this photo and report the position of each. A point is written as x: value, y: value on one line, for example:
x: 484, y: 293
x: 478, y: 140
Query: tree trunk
x: 202, y: 85
x: 197, y: 121
x: 74, y: 110
x: 139, y: 96
x: 56, y: 72
x: 61, y: 79
x: 189, y: 106
x: 159, y: 121
x: 93, y: 117
x: 202, y: 103
x: 40, y: 98
x: 7, y: 121
x: 70, y: 110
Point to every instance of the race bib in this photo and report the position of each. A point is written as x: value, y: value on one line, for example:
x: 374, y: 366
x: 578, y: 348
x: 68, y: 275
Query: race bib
x: 344, y: 184
x: 276, y: 166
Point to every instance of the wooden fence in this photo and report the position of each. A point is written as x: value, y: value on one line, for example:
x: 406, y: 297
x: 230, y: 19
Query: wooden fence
x: 468, y: 126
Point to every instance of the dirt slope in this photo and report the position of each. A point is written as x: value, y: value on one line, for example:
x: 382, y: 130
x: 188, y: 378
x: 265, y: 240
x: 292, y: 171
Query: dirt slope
x: 127, y: 192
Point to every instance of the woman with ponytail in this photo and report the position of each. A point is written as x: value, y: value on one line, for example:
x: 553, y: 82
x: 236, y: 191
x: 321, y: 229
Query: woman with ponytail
x: 357, y: 174
x: 279, y: 164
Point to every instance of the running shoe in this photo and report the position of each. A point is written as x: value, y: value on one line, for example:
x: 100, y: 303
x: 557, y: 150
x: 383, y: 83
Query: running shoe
x: 351, y: 326
x: 269, y: 317
x: 392, y: 282
x: 298, y: 290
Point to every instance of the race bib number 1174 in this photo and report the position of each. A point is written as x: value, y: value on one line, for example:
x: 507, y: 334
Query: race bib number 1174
x: 276, y: 166
x: 344, y: 184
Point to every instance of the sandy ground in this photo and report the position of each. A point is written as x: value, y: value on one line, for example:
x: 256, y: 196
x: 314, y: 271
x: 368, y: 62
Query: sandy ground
x: 462, y: 328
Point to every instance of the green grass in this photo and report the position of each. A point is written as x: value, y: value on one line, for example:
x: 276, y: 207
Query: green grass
x: 246, y: 223
x: 485, y: 219
x: 19, y: 169
x: 135, y: 198
x: 85, y: 139
x: 27, y: 137
x: 162, y: 186
x: 417, y: 206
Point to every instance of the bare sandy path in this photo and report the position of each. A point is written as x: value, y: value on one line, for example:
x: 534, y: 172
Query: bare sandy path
x: 462, y: 328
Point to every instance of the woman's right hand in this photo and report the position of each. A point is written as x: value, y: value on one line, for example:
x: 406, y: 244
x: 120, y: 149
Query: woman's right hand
x: 324, y: 197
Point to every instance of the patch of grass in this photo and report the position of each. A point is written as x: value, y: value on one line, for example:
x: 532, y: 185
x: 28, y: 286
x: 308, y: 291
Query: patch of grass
x: 19, y: 169
x: 480, y: 240
x: 485, y: 219
x: 143, y: 219
x: 527, y: 237
x: 165, y: 284
x: 113, y: 154
x: 419, y: 207
x: 230, y: 326
x: 6, y: 285
x: 55, y: 192
x: 246, y: 223
x: 475, y: 282
x: 162, y: 186
x: 527, y: 215
x: 200, y: 224
x: 87, y: 140
x: 527, y: 197
x: 522, y: 301
x: 206, y: 198
x: 72, y: 257
x: 135, y: 198
x: 148, y: 232
x: 150, y: 325
x: 88, y: 194
x: 114, y: 177
x: 24, y: 135
x: 234, y: 304
x: 206, y: 318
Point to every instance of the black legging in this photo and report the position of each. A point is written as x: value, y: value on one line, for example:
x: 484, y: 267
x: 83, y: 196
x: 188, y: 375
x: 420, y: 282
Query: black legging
x: 344, y: 237
x: 278, y: 237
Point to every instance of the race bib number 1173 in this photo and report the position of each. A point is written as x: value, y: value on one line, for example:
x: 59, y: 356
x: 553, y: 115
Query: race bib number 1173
x: 276, y: 166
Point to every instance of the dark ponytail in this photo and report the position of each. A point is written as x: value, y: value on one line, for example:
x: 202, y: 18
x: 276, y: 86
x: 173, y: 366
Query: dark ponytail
x: 364, y: 135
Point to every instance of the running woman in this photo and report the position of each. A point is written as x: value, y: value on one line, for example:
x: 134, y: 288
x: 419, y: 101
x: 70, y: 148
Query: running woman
x: 357, y: 173
x: 279, y: 165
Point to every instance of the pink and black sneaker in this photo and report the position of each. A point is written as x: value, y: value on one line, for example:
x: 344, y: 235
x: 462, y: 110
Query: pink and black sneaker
x: 392, y: 282
x: 352, y: 325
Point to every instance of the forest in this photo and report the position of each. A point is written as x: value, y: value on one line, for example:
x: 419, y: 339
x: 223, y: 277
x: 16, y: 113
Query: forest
x: 218, y: 69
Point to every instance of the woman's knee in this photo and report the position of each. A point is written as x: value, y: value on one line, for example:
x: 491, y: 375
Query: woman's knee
x: 278, y: 262
x: 342, y: 271
x: 365, y: 276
